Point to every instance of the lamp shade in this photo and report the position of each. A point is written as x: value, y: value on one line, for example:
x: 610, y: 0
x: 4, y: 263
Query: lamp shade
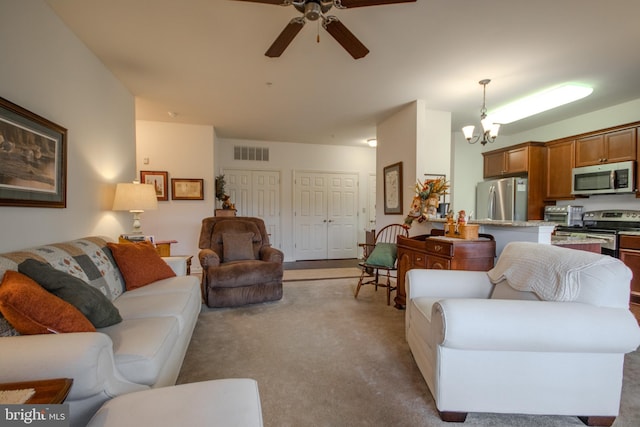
x: 135, y: 197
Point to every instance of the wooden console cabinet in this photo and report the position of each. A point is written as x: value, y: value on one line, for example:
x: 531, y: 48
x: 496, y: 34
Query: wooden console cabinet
x: 630, y: 255
x: 439, y: 252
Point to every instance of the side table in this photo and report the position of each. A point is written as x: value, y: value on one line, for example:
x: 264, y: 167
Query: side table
x: 181, y: 259
x: 52, y: 391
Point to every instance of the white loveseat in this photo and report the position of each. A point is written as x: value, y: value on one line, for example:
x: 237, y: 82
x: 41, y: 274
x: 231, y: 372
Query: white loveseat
x: 485, y: 347
x: 142, y: 352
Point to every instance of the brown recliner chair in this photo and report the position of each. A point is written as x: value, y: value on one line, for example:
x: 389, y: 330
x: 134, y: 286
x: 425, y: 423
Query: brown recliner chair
x: 239, y: 266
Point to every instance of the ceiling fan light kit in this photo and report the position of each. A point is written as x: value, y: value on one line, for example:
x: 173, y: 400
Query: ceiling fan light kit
x: 313, y: 10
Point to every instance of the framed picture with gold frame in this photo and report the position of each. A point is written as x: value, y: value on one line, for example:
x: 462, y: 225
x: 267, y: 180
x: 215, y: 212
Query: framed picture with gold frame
x: 159, y: 180
x: 187, y: 189
x: 393, y: 189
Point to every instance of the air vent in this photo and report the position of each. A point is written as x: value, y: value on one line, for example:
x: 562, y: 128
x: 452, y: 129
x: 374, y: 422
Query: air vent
x: 259, y: 154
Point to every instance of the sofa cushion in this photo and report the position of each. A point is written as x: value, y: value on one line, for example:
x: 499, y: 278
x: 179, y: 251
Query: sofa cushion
x: 180, y: 305
x: 33, y: 310
x: 139, y: 263
x: 142, y: 347
x: 237, y: 246
x: 502, y: 290
x: 384, y: 255
x: 92, y: 303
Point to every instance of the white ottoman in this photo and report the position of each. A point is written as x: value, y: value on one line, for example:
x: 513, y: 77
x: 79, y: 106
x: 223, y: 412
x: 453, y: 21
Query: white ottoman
x: 227, y: 402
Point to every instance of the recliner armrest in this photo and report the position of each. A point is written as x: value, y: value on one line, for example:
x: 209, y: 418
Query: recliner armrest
x: 533, y: 326
x: 271, y: 254
x: 208, y: 258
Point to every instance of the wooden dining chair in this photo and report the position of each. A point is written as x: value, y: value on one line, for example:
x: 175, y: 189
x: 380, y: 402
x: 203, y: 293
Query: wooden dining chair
x: 381, y: 257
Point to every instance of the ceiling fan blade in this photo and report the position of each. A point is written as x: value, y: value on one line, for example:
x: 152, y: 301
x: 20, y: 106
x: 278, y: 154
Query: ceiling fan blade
x: 285, y: 38
x: 348, y: 4
x: 276, y: 2
x: 345, y: 37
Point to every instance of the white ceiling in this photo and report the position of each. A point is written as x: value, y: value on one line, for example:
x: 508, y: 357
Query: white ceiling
x: 204, y: 60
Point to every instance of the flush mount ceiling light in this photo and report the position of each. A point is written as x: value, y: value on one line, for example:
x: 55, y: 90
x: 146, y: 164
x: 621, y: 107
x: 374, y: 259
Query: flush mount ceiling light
x: 489, y: 129
x: 372, y: 142
x: 539, y: 102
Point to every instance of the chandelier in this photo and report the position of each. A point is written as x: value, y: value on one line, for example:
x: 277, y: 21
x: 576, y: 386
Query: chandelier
x: 490, y: 129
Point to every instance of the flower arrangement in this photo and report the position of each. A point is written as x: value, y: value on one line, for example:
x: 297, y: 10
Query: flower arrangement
x: 221, y: 194
x: 425, y: 203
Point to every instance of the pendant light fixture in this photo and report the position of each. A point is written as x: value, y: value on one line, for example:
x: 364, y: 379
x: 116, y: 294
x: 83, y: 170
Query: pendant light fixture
x: 489, y: 129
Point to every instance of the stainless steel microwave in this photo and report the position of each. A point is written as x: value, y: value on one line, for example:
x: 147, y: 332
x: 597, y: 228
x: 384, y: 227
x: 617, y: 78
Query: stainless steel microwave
x: 603, y: 179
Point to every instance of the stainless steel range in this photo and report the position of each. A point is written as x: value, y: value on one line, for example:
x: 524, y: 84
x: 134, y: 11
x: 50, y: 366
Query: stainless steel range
x: 606, y: 225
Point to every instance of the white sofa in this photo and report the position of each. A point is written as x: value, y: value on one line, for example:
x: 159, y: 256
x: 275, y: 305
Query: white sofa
x: 485, y: 347
x: 142, y: 352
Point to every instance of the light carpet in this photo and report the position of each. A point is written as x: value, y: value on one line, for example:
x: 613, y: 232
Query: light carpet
x: 324, y: 358
x: 321, y: 273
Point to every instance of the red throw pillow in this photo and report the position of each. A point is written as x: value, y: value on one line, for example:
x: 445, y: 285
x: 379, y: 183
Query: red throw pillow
x: 32, y: 310
x: 139, y: 263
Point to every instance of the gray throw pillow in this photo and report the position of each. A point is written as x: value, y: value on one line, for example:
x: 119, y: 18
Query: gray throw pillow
x: 90, y: 301
x: 237, y: 246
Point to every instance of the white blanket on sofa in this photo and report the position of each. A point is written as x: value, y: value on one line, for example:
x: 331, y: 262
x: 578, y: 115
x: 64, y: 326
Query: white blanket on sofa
x: 551, y: 272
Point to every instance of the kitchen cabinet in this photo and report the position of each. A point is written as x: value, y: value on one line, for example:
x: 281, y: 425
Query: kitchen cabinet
x: 514, y: 160
x: 609, y: 147
x: 559, y: 161
x: 526, y: 159
x: 630, y: 255
x: 445, y: 253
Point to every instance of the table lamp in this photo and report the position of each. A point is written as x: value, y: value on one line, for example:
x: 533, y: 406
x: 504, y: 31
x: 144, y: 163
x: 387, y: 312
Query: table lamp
x: 135, y: 198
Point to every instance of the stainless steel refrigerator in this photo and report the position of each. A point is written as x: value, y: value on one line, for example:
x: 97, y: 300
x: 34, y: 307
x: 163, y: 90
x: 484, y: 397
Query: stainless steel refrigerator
x: 502, y: 199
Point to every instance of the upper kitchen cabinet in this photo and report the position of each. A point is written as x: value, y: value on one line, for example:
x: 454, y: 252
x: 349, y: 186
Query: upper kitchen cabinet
x: 515, y: 160
x: 610, y: 147
x: 560, y: 159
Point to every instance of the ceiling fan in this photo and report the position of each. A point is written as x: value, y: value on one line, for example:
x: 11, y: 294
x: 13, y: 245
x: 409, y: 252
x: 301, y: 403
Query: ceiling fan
x: 313, y: 10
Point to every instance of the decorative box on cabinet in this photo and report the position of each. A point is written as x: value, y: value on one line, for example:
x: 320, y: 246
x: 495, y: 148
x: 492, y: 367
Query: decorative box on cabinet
x: 439, y: 252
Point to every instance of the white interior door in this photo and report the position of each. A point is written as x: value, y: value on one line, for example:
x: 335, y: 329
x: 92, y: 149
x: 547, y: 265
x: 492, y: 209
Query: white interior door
x: 342, y: 216
x: 310, y: 216
x: 325, y: 215
x: 257, y: 193
x: 372, y: 202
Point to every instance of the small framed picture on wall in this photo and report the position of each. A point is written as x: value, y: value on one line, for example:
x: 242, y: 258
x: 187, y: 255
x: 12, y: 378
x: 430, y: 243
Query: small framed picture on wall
x: 187, y: 189
x: 159, y: 180
x: 393, y: 189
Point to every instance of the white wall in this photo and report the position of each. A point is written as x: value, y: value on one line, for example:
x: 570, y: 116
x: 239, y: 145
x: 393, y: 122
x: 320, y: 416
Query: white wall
x: 48, y: 71
x: 397, y: 142
x: 421, y: 139
x: 290, y: 157
x: 184, y: 151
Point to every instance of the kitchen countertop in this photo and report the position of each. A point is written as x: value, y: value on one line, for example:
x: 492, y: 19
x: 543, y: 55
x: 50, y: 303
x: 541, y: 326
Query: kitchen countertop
x: 629, y: 233
x: 500, y: 223
x: 573, y: 240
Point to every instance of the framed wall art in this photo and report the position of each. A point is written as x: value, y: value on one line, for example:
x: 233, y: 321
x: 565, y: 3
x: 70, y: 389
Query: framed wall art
x: 187, y: 189
x: 393, y: 189
x: 160, y: 181
x: 33, y: 159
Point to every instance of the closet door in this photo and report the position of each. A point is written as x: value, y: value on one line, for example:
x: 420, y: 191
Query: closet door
x: 310, y: 216
x: 326, y: 215
x: 257, y: 193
